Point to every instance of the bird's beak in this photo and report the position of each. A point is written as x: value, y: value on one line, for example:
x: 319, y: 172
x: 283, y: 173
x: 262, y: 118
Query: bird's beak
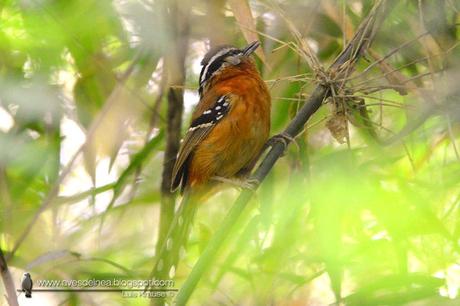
x: 251, y: 48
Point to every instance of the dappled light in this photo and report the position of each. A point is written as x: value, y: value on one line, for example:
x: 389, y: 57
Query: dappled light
x: 355, y: 202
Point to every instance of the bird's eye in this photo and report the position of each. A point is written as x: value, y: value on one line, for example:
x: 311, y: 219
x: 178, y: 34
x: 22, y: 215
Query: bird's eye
x: 234, y: 60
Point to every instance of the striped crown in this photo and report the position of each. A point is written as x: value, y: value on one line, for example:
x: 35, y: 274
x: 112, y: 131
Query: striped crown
x: 221, y: 57
x: 213, y: 61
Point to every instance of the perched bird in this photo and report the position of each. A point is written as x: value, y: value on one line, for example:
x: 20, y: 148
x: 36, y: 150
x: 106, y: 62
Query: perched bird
x: 27, y: 284
x: 230, y: 124
x: 229, y: 128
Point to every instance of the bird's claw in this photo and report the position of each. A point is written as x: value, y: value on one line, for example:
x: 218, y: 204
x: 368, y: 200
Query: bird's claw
x: 282, y: 138
x: 246, y: 184
x: 251, y: 184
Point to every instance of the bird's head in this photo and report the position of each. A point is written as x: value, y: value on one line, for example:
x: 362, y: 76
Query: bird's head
x: 220, y: 58
x: 26, y: 274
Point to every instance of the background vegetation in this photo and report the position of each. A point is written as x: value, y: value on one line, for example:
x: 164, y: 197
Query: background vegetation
x: 363, y: 209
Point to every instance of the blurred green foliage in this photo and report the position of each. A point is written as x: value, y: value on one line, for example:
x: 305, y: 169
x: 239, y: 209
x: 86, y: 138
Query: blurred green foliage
x: 355, y: 222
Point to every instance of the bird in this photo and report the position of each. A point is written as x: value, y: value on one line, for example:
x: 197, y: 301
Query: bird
x: 27, y: 284
x: 231, y: 122
x: 228, y: 131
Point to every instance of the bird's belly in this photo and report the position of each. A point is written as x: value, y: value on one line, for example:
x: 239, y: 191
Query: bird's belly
x: 217, y: 156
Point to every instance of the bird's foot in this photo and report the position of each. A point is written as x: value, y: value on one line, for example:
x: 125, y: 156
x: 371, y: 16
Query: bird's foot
x: 282, y: 138
x: 240, y: 183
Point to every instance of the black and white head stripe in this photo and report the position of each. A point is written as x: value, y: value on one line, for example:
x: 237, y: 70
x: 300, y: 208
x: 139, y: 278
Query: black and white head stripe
x: 213, y: 115
x: 214, y: 60
x: 221, y: 56
x: 214, y: 57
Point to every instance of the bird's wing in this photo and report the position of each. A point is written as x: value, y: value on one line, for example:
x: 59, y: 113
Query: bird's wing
x: 207, y: 114
x: 27, y: 284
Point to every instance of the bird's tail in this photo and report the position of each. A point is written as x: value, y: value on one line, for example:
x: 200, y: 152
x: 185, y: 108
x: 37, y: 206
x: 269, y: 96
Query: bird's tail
x: 174, y: 245
x: 28, y: 294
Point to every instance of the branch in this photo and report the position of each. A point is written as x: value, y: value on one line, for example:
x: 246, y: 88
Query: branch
x: 8, y: 282
x: 341, y: 67
x: 175, y: 56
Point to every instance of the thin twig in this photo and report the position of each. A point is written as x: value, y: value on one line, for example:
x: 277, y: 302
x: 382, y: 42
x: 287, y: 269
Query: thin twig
x: 83, y: 195
x: 152, y: 125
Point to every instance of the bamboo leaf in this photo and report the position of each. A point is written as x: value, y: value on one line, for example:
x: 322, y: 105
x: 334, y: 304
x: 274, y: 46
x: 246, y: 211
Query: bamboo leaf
x: 243, y: 15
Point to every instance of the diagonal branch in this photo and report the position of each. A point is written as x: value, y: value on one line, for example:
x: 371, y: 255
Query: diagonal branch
x: 341, y: 67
